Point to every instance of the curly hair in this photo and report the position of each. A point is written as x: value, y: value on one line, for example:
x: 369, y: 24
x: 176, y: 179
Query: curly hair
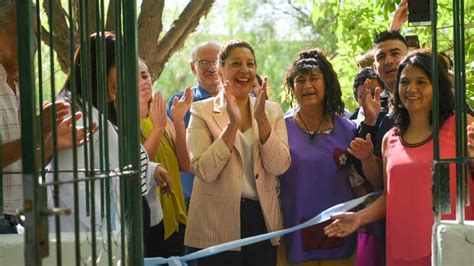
x: 308, y: 61
x: 421, y: 58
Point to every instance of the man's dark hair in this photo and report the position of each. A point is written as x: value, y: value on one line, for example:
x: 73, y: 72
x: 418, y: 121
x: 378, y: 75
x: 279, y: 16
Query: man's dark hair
x: 362, y: 76
x: 389, y: 35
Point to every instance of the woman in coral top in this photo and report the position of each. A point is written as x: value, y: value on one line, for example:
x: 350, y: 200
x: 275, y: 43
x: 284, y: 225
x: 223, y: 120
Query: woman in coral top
x: 407, y: 151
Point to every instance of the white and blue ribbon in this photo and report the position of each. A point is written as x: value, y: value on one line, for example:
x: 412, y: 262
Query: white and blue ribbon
x: 323, y: 216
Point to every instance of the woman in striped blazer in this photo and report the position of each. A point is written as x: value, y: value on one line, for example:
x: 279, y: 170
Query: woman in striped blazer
x: 238, y: 145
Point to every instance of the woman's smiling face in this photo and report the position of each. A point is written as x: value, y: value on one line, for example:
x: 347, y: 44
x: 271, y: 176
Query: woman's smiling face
x: 144, y: 84
x: 240, y: 70
x: 415, y: 90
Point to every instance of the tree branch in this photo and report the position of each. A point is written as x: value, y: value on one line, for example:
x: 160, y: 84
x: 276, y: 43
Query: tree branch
x: 149, y: 28
x: 60, y: 31
x: 179, y: 31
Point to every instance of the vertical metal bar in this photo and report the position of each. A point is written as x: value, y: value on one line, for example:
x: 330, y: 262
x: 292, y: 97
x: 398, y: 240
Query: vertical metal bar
x: 72, y: 89
x: 105, y: 184
x: 134, y: 224
x: 36, y: 235
x: 435, y: 119
x: 120, y: 84
x: 87, y: 103
x: 101, y: 76
x: 85, y: 88
x: 40, y: 87
x: 459, y: 74
x: 54, y: 131
x: 435, y: 122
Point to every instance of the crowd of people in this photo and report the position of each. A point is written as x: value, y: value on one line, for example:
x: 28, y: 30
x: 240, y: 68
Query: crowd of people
x: 220, y: 162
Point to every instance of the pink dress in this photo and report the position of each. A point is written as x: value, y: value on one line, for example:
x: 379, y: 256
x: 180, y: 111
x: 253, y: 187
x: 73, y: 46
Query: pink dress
x: 409, y: 200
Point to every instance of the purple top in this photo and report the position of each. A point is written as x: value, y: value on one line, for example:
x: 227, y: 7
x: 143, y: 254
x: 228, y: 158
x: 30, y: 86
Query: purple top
x: 317, y: 179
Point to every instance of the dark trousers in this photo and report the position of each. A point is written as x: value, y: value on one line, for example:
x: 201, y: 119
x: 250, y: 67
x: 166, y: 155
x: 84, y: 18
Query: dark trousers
x: 154, y: 243
x: 8, y: 225
x: 260, y: 254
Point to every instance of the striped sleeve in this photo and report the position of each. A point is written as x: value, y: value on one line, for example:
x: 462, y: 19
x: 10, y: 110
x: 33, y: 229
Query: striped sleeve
x: 143, y: 170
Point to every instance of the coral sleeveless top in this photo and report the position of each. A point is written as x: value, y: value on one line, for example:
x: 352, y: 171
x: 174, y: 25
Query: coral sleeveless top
x: 409, y: 196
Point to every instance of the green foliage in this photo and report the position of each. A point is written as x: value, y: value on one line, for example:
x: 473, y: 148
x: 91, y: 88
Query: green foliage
x: 278, y: 31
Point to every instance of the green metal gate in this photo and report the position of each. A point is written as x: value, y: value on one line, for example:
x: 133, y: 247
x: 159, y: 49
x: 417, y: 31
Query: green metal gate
x: 441, y: 193
x: 104, y: 245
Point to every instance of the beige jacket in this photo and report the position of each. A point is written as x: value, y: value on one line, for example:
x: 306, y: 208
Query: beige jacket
x: 214, y: 212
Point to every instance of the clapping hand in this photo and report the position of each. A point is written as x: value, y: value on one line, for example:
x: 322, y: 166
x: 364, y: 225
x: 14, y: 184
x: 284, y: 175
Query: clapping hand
x: 61, y: 108
x: 361, y: 148
x: 181, y: 106
x: 65, y: 130
x: 259, y: 112
x: 232, y: 108
x: 344, y: 224
x: 371, y: 105
x: 158, y: 111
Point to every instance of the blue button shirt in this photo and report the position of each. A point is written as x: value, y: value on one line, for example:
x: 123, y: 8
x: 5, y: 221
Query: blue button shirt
x: 187, y: 179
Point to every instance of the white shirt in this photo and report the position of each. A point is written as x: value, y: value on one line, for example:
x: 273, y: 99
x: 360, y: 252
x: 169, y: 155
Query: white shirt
x: 10, y: 131
x: 249, y: 186
x: 66, y: 196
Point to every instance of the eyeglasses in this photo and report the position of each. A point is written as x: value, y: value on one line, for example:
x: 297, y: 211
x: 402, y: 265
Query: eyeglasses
x: 205, y: 63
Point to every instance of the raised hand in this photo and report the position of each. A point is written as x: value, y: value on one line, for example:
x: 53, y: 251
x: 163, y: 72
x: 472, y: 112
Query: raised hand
x: 181, y: 106
x: 231, y: 106
x: 344, y: 224
x: 163, y: 179
x: 371, y: 105
x: 259, y: 112
x: 62, y: 109
x: 65, y: 130
x: 361, y: 148
x: 470, y: 141
x: 400, y: 17
x: 158, y: 111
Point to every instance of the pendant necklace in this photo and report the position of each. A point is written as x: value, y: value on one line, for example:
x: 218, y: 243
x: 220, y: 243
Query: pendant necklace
x: 312, y: 134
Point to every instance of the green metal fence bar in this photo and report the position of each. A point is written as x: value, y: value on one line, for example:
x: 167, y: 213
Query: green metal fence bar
x: 435, y: 113
x: 84, y: 32
x: 36, y: 238
x: 40, y: 87
x: 134, y: 225
x: 72, y: 84
x: 459, y: 63
x: 120, y: 83
x: 57, y: 219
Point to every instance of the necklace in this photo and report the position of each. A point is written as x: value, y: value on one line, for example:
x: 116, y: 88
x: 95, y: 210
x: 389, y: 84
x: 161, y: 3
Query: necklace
x: 312, y: 134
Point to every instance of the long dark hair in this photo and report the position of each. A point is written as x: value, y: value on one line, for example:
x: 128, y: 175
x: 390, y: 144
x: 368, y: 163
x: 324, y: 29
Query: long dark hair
x: 422, y: 59
x: 109, y: 40
x: 308, y: 61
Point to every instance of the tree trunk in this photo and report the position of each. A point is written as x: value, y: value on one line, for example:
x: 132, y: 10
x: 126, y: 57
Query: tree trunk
x: 155, y: 51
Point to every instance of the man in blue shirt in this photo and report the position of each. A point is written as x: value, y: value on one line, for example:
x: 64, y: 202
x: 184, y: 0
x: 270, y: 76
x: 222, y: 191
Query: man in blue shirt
x: 203, y: 65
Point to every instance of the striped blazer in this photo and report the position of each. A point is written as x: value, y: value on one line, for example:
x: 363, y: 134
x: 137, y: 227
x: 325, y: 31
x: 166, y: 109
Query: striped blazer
x: 214, y: 212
